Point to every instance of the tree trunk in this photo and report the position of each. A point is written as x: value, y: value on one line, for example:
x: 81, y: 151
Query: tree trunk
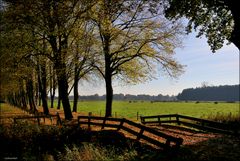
x: 109, y: 96
x: 52, y: 86
x: 59, y: 52
x: 23, y: 95
x: 31, y: 96
x: 63, y: 92
x: 75, y: 95
x: 42, y: 79
x: 39, y: 99
x: 59, y: 101
x: 52, y: 100
x: 108, y: 78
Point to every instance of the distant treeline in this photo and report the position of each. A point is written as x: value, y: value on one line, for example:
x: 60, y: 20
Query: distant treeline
x: 213, y: 93
x: 128, y: 97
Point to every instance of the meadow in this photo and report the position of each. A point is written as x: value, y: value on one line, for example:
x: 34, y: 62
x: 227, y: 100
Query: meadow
x: 129, y: 109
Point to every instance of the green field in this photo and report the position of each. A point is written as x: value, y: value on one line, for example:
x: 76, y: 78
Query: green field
x: 129, y: 110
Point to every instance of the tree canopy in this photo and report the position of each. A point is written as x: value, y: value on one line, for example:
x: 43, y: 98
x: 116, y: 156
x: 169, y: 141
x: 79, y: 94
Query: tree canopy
x: 218, y: 20
x: 133, y: 41
x: 53, y: 44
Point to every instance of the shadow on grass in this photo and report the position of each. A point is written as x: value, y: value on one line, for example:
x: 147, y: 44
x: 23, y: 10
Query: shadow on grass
x: 30, y: 142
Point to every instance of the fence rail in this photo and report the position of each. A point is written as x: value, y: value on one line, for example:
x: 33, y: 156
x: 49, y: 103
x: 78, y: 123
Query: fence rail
x: 39, y: 117
x: 198, y: 123
x: 167, y: 141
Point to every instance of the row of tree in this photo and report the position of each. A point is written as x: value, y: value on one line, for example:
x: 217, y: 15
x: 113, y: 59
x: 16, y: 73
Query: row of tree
x: 53, y: 44
x: 48, y: 45
x: 128, y: 97
x: 213, y: 93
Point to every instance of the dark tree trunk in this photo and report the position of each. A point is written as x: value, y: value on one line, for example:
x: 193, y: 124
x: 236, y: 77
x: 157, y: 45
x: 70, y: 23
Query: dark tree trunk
x: 75, y: 95
x: 63, y: 88
x: 108, y: 77
x: 63, y: 92
x: 59, y: 100
x: 38, y: 94
x: 44, y: 91
x: 52, y: 100
x: 75, y: 85
x: 39, y: 99
x: 31, y: 96
x: 23, y: 95
x: 59, y: 52
x: 109, y: 96
x: 52, y: 86
x: 42, y: 79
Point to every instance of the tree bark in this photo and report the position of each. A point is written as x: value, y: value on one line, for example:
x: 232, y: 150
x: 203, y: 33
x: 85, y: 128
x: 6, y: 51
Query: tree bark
x: 63, y: 88
x: 31, y: 95
x: 42, y: 79
x: 60, y: 67
x: 75, y: 93
x: 52, y: 86
x: 23, y: 95
x: 63, y: 92
x: 109, y: 96
x: 108, y: 77
x: 59, y: 101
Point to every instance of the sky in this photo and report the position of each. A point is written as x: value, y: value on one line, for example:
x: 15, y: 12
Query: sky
x: 201, y: 65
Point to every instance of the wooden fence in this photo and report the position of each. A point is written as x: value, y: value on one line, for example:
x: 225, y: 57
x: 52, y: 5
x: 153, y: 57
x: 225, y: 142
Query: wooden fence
x: 198, y: 123
x: 40, y: 118
x: 138, y: 130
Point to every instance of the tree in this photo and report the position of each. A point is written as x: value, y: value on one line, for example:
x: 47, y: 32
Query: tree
x: 52, y: 83
x: 17, y: 81
x: 219, y: 20
x: 133, y: 41
x: 82, y: 58
x: 53, y: 21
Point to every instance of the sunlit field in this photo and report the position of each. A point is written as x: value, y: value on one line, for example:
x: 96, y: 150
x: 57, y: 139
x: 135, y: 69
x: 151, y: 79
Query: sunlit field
x: 129, y: 109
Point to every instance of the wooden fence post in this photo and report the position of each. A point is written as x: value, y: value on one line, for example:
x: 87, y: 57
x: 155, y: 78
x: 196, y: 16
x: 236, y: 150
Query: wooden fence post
x: 159, y: 121
x: 168, y: 142
x: 59, y: 122
x: 140, y: 134
x: 51, y: 119
x: 104, y: 122
x: 44, y: 120
x: 121, y: 124
x: 14, y: 120
x: 38, y: 120
x: 142, y: 119
x: 177, y: 119
x: 89, y: 119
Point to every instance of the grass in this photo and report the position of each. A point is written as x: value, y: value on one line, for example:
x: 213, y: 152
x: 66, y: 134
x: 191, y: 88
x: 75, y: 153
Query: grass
x: 90, y: 152
x: 7, y: 108
x: 129, y: 110
x: 31, y: 142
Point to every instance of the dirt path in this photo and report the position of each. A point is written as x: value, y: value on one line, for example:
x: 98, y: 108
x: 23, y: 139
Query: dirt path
x: 190, y: 136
